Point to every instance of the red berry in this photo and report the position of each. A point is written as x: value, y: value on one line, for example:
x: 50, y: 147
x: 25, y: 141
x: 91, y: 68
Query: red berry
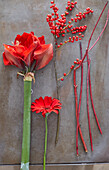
x: 68, y: 3
x: 70, y: 9
x: 76, y: 36
x: 65, y: 41
x: 69, y: 26
x: 84, y: 16
x: 73, y: 37
x: 77, y: 59
x: 66, y: 12
x: 58, y: 46
x: 79, y: 33
x: 67, y: 30
x: 87, y: 9
x: 61, y: 43
x: 56, y: 14
x: 71, y: 19
x: 52, y: 2
x: 82, y: 35
x: 64, y: 74
x: 72, y: 3
x: 75, y: 62
x: 62, y: 79
x: 72, y: 66
x: 80, y: 38
x: 70, y: 38
x: 69, y: 22
x: 54, y: 6
x: 63, y: 35
x: 75, y: 2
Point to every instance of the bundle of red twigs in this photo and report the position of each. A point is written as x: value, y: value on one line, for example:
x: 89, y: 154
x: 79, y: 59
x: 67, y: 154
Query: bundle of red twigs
x: 89, y: 89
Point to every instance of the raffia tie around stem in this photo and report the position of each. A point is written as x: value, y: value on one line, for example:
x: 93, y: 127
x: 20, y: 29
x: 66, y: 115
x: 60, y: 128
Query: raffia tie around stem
x: 28, y: 76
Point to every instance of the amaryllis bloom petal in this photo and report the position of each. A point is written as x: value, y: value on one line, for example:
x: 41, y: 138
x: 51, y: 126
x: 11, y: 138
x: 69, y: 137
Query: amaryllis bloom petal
x: 19, y: 49
x: 26, y: 50
x: 11, y: 56
x: 46, y: 105
x: 41, y: 39
x: 43, y: 55
x: 28, y: 53
x: 5, y: 60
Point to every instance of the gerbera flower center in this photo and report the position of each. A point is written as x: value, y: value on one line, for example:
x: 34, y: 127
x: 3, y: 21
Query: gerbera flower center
x: 47, y: 108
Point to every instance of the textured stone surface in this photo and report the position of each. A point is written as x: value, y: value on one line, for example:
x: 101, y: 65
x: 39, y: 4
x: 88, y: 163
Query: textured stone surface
x: 30, y: 15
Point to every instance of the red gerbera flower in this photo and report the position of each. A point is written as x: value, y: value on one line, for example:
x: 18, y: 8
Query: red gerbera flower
x: 46, y: 105
x: 26, y: 49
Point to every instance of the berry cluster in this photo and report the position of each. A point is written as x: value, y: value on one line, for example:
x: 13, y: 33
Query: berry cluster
x: 59, y: 27
x: 76, y: 62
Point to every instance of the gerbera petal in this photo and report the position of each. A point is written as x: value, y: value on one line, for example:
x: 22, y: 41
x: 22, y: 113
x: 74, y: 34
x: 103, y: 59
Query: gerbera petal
x: 47, y: 101
x: 43, y: 114
x: 43, y: 55
x: 40, y: 102
x: 35, y: 106
x: 55, y: 102
x: 56, y: 111
x: 57, y: 107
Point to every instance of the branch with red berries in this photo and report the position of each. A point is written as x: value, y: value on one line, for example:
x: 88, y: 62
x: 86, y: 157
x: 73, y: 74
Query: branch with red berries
x: 60, y: 27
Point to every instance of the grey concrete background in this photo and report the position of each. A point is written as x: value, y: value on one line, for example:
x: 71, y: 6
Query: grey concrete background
x: 17, y: 16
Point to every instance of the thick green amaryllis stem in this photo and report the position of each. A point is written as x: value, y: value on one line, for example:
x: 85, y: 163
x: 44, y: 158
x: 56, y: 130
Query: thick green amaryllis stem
x: 26, y: 124
x: 45, y: 147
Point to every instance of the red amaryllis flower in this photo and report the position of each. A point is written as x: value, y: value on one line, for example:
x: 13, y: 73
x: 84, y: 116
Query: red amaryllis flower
x: 46, y: 105
x: 26, y: 49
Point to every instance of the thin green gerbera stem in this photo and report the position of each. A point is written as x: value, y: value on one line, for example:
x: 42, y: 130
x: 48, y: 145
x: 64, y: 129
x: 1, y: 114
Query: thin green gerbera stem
x: 26, y: 126
x: 45, y: 148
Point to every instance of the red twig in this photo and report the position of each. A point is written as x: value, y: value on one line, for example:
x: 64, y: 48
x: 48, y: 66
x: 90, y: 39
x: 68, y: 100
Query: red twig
x: 76, y: 108
x: 90, y: 134
x: 91, y: 36
x: 81, y: 81
x: 89, y: 78
x: 101, y: 32
x: 79, y: 107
